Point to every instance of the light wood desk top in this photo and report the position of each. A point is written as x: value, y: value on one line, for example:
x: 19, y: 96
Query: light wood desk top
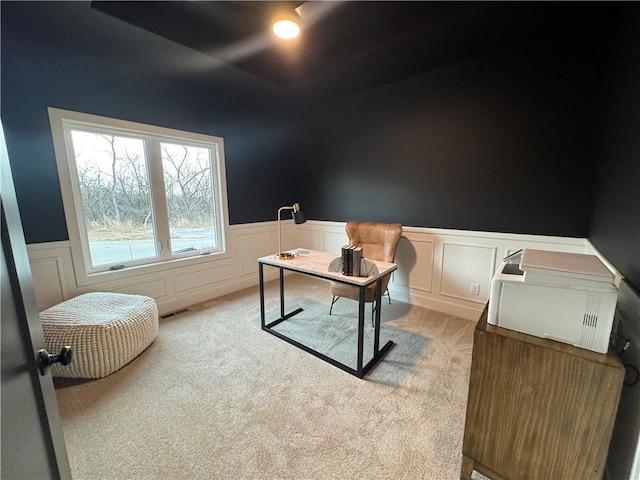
x: 317, y: 263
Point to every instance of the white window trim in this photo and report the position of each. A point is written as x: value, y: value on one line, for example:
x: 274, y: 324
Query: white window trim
x: 82, y: 269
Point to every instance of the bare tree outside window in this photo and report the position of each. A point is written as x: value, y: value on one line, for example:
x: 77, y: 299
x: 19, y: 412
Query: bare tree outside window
x: 188, y: 184
x: 117, y: 201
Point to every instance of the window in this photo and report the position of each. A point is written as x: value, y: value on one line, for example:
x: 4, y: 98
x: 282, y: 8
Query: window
x: 136, y: 194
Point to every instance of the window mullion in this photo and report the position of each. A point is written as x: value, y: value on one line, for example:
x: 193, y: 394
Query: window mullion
x: 161, y: 216
x: 217, y: 198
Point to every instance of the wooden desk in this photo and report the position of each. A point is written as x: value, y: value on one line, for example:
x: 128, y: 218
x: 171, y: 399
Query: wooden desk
x: 537, y: 408
x: 316, y: 264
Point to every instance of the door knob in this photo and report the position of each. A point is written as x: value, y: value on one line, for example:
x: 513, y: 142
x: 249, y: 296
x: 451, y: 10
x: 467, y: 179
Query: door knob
x: 45, y: 359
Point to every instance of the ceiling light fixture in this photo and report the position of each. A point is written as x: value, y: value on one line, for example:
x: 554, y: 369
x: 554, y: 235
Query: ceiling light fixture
x: 286, y: 29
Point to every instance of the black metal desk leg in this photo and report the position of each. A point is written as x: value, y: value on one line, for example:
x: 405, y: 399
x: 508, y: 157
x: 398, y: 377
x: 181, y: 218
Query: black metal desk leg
x: 283, y: 316
x: 281, y: 293
x: 376, y: 338
x: 261, y: 278
x: 377, y: 352
x: 360, y: 330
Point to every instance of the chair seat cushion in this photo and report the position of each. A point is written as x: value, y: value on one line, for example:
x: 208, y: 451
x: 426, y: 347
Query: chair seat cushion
x: 349, y: 291
x: 105, y: 330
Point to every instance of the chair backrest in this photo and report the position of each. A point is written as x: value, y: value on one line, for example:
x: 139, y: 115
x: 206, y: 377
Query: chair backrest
x: 378, y: 240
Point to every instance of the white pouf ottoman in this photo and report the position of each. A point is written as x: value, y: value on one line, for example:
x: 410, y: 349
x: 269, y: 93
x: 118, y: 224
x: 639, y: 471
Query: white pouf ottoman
x: 105, y: 331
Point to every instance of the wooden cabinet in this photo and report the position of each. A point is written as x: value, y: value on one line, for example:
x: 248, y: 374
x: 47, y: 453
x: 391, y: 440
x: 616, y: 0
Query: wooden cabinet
x: 537, y: 408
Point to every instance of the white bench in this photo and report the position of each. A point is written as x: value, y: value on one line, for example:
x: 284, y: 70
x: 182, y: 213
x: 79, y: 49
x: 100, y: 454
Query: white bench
x: 105, y: 331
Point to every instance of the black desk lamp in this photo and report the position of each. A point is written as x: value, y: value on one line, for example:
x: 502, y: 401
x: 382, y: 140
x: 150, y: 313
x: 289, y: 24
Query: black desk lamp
x: 298, y: 218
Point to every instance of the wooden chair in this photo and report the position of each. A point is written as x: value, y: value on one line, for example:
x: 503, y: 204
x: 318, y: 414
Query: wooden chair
x: 379, y: 241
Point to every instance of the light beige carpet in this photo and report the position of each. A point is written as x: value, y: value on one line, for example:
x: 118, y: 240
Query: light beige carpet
x: 216, y: 397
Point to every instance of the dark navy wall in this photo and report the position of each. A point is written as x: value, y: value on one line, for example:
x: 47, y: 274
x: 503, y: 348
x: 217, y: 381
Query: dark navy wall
x: 67, y: 55
x: 615, y: 224
x: 509, y: 142
x: 501, y: 143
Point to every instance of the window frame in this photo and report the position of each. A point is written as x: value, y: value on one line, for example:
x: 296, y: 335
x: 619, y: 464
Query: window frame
x: 63, y: 121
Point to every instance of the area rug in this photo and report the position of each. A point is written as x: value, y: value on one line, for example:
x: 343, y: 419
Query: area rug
x: 336, y: 335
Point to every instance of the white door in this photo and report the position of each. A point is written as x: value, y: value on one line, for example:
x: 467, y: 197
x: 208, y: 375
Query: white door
x: 32, y: 440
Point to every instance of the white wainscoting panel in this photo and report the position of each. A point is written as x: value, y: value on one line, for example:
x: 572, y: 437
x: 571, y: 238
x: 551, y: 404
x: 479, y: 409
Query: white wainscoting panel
x: 201, y: 277
x: 52, y: 272
x: 414, y: 257
x: 248, y: 247
x: 47, y: 293
x: 270, y: 241
x: 153, y: 288
x: 435, y: 266
x: 464, y: 265
x: 310, y: 238
x: 172, y: 288
x: 334, y: 241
